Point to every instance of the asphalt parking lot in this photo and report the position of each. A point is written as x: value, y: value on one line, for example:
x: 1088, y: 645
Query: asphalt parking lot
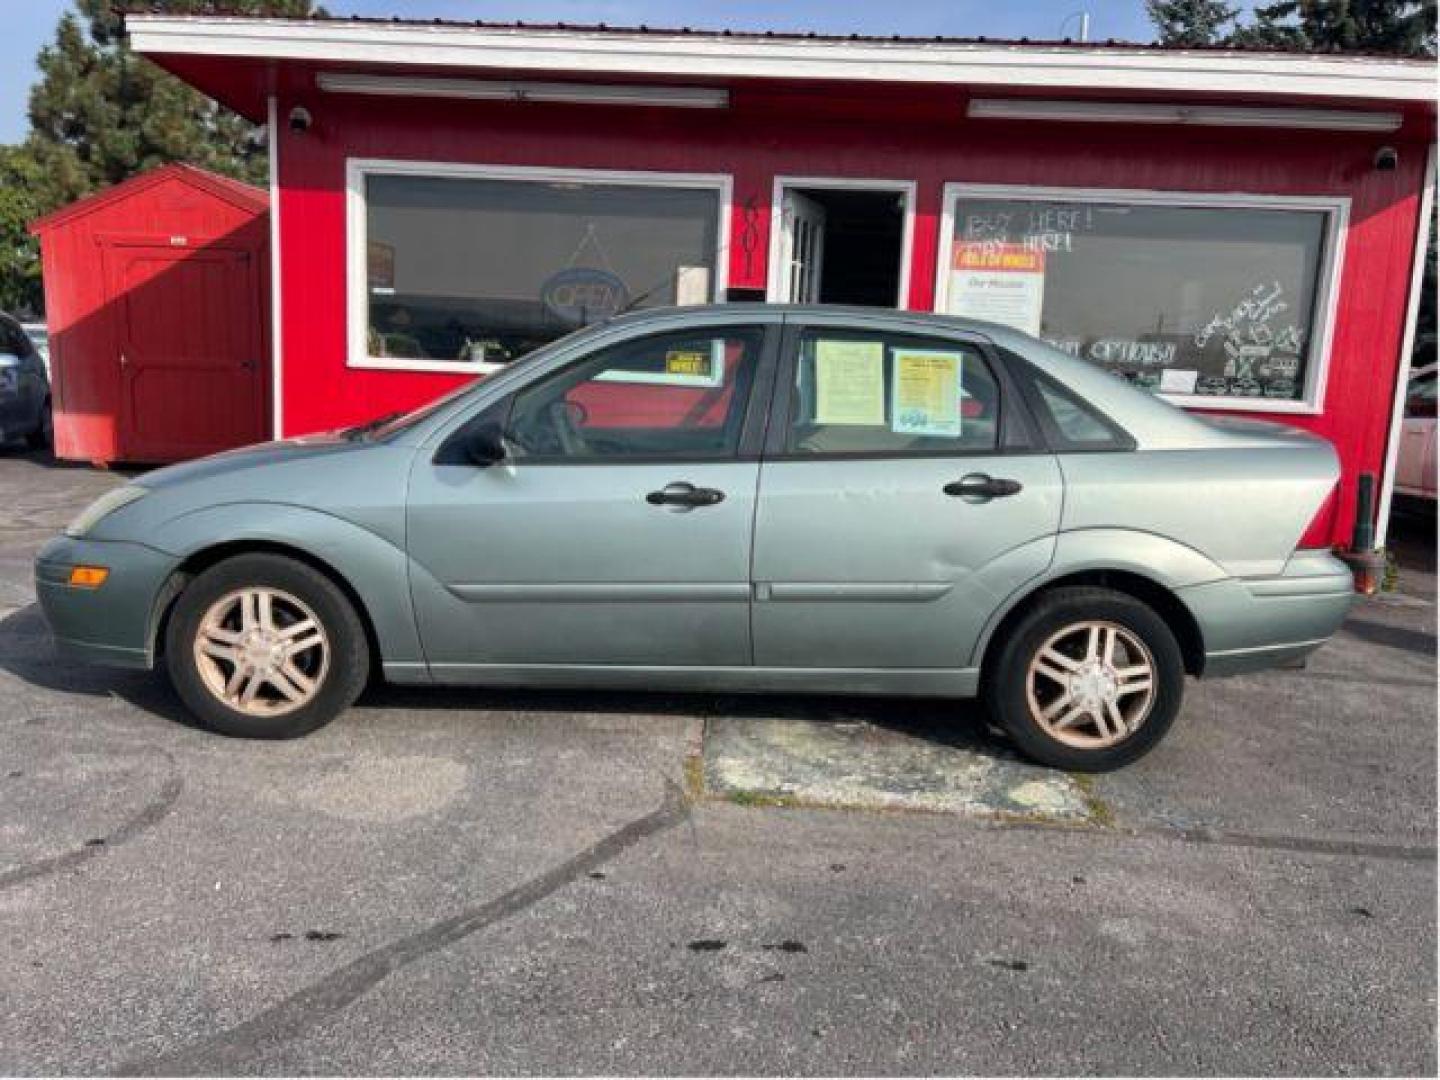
x: 447, y: 882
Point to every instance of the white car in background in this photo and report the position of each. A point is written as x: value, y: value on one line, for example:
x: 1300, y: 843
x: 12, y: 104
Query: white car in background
x: 1415, y: 469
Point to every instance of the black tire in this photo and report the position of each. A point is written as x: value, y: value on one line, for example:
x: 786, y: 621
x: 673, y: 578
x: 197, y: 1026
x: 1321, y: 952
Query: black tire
x: 1005, y: 688
x: 342, y: 679
x: 43, y: 435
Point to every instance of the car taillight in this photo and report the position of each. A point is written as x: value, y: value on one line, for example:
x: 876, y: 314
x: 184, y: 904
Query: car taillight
x: 1320, y: 533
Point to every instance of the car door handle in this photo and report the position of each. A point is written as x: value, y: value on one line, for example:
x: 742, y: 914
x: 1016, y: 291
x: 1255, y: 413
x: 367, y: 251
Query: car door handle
x: 978, y: 487
x: 684, y: 495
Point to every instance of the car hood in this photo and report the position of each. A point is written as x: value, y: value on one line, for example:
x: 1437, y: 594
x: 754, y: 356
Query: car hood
x: 250, y: 457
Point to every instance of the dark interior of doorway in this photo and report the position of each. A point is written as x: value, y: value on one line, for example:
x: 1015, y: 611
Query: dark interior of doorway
x: 862, y: 246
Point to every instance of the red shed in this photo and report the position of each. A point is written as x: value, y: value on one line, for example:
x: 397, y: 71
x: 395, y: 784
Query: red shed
x: 156, y: 297
x: 1239, y: 232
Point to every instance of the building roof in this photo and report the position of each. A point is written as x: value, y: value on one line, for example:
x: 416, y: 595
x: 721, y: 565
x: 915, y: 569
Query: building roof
x: 719, y: 55
x: 245, y: 196
x: 220, y: 9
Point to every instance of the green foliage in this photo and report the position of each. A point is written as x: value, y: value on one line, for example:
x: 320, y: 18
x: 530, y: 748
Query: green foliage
x: 21, y: 182
x: 1188, y: 23
x: 99, y: 114
x: 1395, y: 27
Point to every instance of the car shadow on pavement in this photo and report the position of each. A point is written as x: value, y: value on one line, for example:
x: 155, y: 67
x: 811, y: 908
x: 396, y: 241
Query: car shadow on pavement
x: 28, y: 652
x: 46, y: 459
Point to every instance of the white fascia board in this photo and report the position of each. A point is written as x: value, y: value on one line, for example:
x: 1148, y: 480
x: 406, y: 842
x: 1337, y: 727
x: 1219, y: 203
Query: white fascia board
x: 690, y: 55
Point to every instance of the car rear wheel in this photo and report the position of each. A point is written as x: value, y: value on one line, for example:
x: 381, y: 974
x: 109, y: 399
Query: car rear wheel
x: 264, y: 647
x: 1088, y: 680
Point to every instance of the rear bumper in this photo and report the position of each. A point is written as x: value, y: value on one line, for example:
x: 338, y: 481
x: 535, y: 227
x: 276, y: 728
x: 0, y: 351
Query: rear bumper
x: 113, y: 624
x: 1249, y: 624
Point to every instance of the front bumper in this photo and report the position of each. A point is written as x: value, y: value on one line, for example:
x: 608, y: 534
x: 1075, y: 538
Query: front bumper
x: 115, y: 623
x: 1250, y: 624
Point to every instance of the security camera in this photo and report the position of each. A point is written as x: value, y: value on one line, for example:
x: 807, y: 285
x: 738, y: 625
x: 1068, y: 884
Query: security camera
x: 1387, y: 159
x: 300, y: 119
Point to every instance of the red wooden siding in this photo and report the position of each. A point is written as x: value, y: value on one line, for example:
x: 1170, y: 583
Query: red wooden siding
x: 171, y: 272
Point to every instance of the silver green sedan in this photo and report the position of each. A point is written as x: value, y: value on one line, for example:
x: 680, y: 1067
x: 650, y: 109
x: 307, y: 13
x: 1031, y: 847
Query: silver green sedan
x: 746, y: 497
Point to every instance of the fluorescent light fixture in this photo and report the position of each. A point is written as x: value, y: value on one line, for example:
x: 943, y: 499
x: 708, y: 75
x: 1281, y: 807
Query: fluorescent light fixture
x: 1119, y: 112
x: 673, y: 97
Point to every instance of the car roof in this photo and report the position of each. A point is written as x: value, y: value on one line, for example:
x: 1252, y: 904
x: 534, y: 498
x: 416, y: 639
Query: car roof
x: 769, y: 312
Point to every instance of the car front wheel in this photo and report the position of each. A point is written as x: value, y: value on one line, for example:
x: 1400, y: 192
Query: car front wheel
x: 1089, y: 680
x: 265, y: 647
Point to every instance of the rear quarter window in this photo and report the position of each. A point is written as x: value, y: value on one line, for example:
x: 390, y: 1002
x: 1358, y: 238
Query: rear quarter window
x: 1068, y: 421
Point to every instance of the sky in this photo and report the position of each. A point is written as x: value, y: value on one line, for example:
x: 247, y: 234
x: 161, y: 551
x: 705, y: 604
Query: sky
x: 30, y: 24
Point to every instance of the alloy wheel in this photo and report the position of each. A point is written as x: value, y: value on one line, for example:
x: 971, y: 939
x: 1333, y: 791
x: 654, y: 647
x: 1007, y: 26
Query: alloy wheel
x: 1091, y: 685
x: 262, y: 651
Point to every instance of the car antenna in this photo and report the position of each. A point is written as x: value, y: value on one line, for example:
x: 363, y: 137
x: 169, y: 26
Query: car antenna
x: 636, y: 301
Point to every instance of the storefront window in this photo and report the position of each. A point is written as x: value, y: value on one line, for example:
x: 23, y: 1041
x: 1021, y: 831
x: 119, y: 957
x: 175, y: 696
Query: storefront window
x: 1209, y: 304
x: 481, y: 268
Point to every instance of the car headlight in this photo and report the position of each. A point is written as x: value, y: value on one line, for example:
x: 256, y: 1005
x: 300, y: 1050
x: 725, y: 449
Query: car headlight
x: 104, y: 506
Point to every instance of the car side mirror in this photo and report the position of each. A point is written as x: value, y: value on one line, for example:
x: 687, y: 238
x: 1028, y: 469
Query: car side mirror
x: 485, y: 445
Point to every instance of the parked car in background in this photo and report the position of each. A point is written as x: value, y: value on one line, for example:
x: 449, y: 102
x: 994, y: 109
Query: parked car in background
x: 1416, y: 466
x: 39, y: 335
x: 24, y: 387
x: 739, y: 497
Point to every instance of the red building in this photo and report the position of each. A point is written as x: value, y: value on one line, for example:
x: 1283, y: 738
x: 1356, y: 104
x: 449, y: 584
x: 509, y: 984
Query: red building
x: 1240, y: 232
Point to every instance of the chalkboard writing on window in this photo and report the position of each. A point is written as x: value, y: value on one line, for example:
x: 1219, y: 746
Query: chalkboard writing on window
x: 1203, y: 301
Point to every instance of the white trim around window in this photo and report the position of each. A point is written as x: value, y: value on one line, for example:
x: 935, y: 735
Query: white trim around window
x: 356, y: 297
x: 1327, y: 294
x: 775, y: 277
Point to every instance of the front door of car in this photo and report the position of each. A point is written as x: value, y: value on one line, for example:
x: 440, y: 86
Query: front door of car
x: 616, y: 529
x: 900, y: 501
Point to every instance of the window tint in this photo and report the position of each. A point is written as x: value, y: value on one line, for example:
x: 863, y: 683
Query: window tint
x: 13, y: 339
x: 1070, y: 423
x: 859, y: 393
x: 667, y: 396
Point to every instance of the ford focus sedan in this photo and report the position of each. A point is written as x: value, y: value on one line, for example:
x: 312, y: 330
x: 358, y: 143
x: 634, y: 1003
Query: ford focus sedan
x: 737, y: 498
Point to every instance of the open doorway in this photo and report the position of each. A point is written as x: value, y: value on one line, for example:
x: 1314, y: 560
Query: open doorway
x: 841, y: 242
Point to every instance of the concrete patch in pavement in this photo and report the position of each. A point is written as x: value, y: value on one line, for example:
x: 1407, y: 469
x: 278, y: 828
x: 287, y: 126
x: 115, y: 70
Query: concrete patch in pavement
x: 864, y: 766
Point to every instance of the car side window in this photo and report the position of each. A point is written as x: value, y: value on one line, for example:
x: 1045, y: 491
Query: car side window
x: 1069, y: 422
x: 860, y: 392
x: 676, y: 395
x: 13, y: 340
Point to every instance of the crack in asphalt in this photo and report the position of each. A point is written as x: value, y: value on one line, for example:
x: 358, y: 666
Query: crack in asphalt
x: 226, y: 1052
x: 149, y: 816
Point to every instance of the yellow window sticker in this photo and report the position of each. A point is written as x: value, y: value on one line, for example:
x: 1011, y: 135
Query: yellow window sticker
x: 926, y: 393
x: 850, y: 382
x: 688, y: 362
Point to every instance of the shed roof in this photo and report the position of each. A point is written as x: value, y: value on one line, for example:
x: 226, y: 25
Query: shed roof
x: 245, y: 196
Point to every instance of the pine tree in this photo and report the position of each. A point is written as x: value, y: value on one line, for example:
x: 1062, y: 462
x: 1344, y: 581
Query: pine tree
x: 1394, y: 27
x: 101, y: 114
x: 1190, y: 23
x: 1398, y: 27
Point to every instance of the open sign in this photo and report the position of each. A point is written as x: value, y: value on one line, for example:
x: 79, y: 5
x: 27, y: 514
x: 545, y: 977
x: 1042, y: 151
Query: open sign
x: 582, y: 295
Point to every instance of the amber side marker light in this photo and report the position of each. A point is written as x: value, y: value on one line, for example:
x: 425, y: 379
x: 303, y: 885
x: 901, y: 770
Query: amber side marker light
x: 88, y: 577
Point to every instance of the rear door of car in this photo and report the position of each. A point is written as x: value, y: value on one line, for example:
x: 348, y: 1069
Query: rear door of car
x: 903, y: 494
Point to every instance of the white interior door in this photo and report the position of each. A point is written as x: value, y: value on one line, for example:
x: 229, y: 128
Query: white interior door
x: 803, y: 248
